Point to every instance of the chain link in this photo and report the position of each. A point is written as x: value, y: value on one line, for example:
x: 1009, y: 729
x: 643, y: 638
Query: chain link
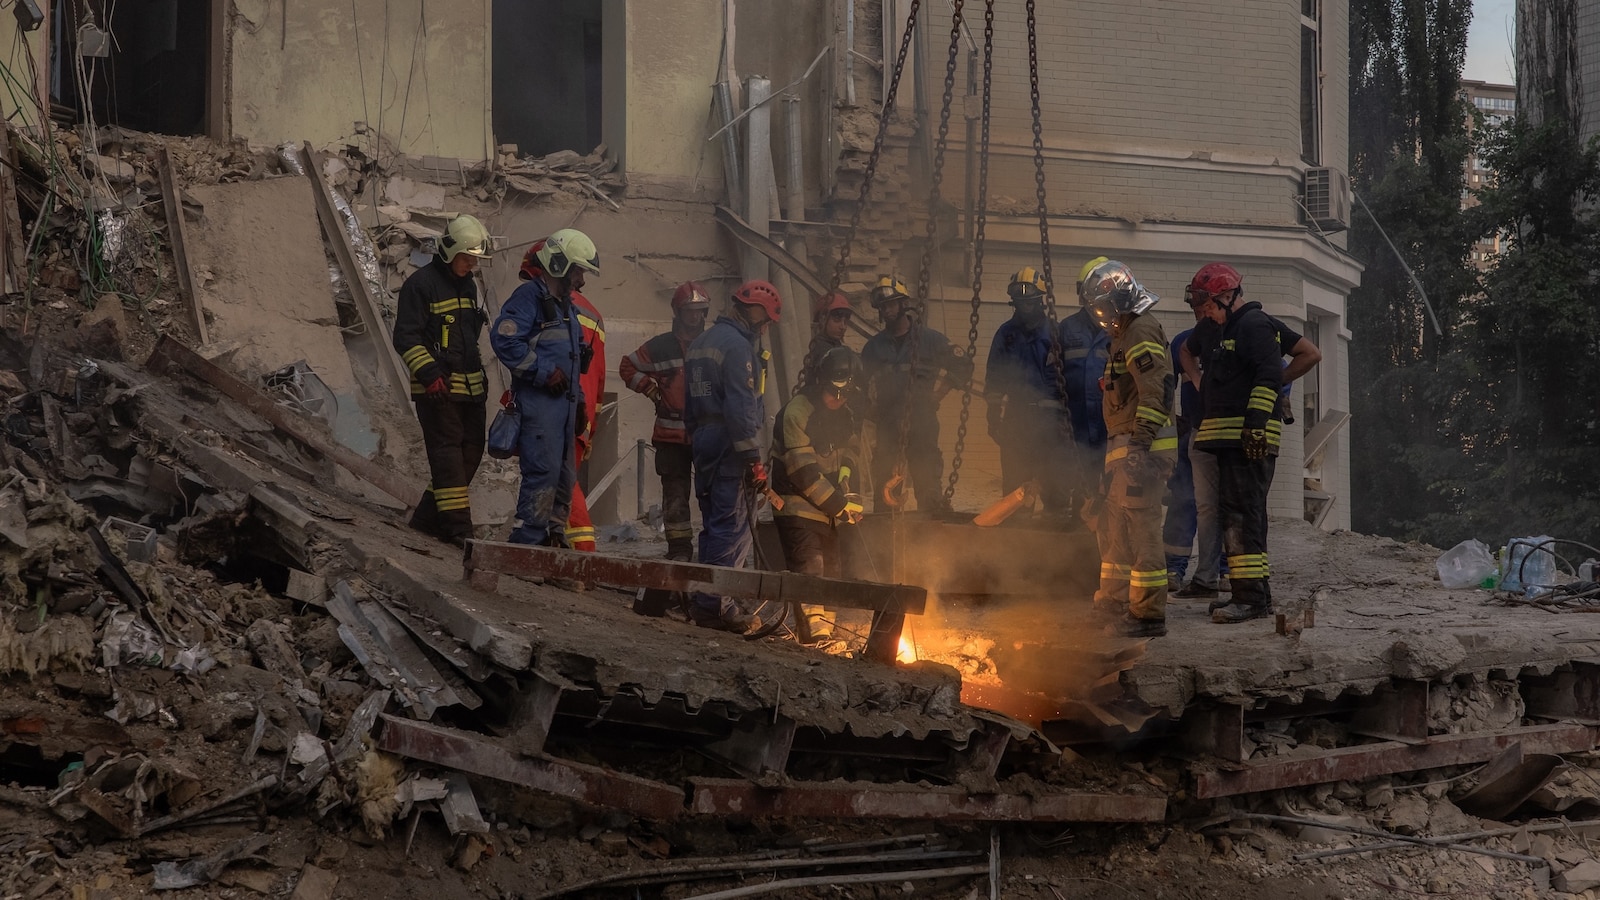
x: 980, y: 227
x: 1057, y: 364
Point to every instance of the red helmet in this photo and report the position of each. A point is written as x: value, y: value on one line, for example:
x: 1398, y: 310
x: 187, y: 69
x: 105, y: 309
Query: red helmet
x: 690, y: 295
x: 1212, y: 279
x: 530, y: 262
x: 827, y: 303
x: 762, y: 294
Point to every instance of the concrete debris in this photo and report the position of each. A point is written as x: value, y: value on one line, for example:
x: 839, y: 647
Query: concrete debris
x: 1581, y: 877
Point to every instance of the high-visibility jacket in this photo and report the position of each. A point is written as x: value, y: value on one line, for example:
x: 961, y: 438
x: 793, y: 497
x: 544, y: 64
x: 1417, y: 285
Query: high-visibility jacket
x: 593, y: 327
x: 659, y: 362
x: 436, y: 328
x: 724, y: 374
x: 1241, y: 371
x: 813, y: 449
x: 1138, y: 411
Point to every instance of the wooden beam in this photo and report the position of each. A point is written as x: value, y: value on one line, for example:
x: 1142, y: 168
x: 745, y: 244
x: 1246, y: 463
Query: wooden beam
x: 492, y: 558
x: 865, y: 800
x: 168, y: 352
x: 333, y: 224
x: 177, y: 233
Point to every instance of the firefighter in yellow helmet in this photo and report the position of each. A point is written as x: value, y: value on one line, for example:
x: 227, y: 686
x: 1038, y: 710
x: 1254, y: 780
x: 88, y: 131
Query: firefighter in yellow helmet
x: 437, y: 324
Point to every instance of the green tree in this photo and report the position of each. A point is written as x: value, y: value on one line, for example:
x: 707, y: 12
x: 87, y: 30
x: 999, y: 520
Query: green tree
x: 1409, y: 142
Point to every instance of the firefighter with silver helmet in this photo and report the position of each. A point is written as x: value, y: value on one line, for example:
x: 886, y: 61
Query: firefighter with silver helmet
x: 1141, y: 444
x: 437, y: 325
x: 1027, y: 413
x: 539, y: 338
x: 725, y: 372
x: 814, y: 453
x: 656, y: 371
x: 903, y: 396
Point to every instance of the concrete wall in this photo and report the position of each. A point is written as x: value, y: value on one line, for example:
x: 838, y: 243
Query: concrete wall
x: 422, y: 81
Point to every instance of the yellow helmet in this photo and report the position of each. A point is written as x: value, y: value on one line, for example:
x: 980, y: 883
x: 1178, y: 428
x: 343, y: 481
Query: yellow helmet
x: 1027, y: 284
x: 567, y: 248
x: 1083, y: 274
x: 464, y: 234
x: 889, y: 288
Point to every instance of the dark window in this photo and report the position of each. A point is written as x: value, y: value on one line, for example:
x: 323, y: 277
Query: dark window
x: 547, y: 75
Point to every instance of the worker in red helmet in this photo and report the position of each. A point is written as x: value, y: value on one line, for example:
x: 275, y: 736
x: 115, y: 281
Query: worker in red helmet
x: 580, y: 525
x: 656, y: 371
x: 830, y: 322
x: 438, y: 321
x: 725, y: 371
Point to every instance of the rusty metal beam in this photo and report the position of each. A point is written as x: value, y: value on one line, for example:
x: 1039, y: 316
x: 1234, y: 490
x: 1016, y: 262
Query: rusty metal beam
x: 865, y: 800
x: 168, y: 352
x: 1398, y: 712
x: 1386, y: 758
x: 178, y: 236
x: 478, y: 756
x: 491, y: 557
x: 1218, y: 730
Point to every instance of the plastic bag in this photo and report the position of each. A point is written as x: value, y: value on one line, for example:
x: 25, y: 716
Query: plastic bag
x: 1466, y: 564
x: 1529, y: 564
x: 504, y: 432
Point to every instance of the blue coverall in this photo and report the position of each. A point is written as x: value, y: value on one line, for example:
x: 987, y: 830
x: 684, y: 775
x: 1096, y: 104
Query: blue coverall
x: 724, y: 413
x: 1085, y: 350
x: 1035, y: 432
x: 1178, y: 532
x: 535, y: 335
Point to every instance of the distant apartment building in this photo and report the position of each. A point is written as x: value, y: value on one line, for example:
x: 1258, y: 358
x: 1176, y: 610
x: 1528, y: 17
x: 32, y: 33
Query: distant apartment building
x: 1497, y: 102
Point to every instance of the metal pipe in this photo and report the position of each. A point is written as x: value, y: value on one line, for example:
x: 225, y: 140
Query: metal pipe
x: 795, y: 201
x: 639, y: 448
x: 731, y: 170
x: 849, y: 56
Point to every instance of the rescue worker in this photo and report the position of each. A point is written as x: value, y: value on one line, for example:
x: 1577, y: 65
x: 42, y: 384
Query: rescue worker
x: 656, y: 371
x: 903, y: 404
x: 437, y: 325
x: 725, y: 373
x: 580, y: 526
x: 1084, y: 351
x: 1183, y: 521
x: 830, y: 322
x: 1241, y: 365
x: 538, y: 337
x: 814, y: 451
x: 1026, y: 415
x: 1140, y: 445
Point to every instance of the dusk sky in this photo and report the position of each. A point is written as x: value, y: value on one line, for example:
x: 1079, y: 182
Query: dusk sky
x: 1490, y: 41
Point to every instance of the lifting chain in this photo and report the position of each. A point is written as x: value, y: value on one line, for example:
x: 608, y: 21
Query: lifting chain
x: 1057, y: 363
x: 980, y: 226
x: 925, y: 270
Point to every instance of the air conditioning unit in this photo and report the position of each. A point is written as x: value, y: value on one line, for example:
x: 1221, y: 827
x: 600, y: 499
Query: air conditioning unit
x: 1328, y: 198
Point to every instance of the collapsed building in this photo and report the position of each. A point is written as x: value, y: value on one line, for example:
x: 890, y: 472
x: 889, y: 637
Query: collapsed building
x: 216, y: 618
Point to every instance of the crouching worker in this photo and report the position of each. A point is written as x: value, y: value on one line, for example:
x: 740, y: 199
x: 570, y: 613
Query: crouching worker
x: 814, y: 451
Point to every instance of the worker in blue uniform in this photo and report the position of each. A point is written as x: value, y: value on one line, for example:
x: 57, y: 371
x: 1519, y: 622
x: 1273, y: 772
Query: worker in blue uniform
x: 538, y: 337
x: 1023, y: 390
x: 725, y: 373
x: 1085, y: 350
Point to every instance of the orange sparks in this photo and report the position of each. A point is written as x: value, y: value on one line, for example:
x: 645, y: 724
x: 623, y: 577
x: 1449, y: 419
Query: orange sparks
x: 907, y: 652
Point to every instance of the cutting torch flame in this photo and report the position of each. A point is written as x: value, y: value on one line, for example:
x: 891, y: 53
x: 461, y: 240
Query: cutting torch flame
x: 907, y: 652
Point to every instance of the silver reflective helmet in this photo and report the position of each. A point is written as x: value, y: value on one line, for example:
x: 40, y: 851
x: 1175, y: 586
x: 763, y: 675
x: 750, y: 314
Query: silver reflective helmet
x: 1111, y: 291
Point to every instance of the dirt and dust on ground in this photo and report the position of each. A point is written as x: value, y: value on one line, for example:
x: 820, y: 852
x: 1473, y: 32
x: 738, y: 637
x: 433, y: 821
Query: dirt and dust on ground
x: 184, y: 713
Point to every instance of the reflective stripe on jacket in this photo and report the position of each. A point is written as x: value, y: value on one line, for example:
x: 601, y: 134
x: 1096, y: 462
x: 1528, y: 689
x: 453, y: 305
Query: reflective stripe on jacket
x: 436, y: 329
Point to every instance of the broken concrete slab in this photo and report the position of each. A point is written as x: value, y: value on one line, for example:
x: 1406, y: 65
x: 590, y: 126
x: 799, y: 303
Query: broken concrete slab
x: 1579, y: 878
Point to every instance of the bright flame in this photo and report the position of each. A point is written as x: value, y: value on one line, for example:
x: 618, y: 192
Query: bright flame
x: 907, y: 652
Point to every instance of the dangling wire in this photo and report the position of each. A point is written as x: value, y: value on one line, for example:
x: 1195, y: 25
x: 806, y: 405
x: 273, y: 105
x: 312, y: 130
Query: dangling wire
x: 980, y: 225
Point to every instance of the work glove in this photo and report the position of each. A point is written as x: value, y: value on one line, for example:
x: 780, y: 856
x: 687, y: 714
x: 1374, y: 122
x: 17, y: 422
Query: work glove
x: 1135, y: 463
x: 1254, y: 443
x: 557, y: 382
x: 852, y: 513
x: 756, y: 476
x: 653, y: 391
x: 438, y: 388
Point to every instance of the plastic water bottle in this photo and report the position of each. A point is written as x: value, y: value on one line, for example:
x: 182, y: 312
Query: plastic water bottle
x: 1530, y: 566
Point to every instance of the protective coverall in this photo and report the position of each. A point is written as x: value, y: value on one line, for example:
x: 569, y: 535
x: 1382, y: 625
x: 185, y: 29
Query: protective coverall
x: 1026, y: 416
x: 898, y: 397
x: 1085, y: 347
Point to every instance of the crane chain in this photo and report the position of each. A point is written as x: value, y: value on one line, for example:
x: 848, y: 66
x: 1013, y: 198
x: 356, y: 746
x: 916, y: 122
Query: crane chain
x: 925, y: 269
x: 980, y: 227
x: 1057, y: 362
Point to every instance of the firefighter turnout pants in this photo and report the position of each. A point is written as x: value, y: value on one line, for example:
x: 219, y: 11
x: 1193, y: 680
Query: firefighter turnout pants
x: 675, y: 465
x: 1243, y: 487
x: 1133, y: 564
x: 453, y: 434
x: 811, y: 548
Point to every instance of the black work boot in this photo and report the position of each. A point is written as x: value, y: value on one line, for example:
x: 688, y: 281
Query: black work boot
x: 1232, y: 613
x: 734, y: 620
x: 680, y: 549
x: 1131, y: 627
x: 1194, y: 591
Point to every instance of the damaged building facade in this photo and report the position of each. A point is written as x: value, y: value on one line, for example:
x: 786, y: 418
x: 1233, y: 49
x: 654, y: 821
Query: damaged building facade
x: 1157, y: 162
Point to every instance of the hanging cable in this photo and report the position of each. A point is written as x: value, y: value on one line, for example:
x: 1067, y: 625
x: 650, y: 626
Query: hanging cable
x: 1057, y: 353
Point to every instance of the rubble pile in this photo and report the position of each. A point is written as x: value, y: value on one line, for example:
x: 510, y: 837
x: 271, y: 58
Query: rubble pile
x: 593, y: 175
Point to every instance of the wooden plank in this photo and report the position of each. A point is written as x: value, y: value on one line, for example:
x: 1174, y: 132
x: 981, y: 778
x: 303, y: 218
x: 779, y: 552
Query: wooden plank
x: 478, y: 756
x: 1389, y: 757
x: 168, y: 352
x: 865, y: 800
x: 747, y: 584
x: 394, y: 372
x: 177, y: 233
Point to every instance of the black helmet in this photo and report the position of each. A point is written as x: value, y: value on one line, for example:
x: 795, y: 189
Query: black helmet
x: 839, y: 368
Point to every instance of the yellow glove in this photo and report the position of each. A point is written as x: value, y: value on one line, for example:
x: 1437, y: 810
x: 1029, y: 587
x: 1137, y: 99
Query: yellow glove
x: 1254, y: 442
x: 853, y: 512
